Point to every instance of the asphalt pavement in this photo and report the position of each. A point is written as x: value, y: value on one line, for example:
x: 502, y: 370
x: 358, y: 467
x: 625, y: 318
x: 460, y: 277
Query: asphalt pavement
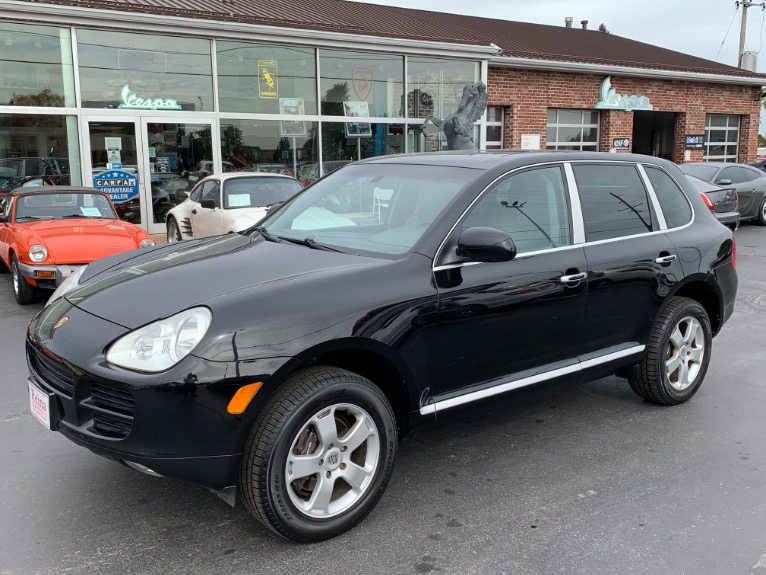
x: 586, y: 479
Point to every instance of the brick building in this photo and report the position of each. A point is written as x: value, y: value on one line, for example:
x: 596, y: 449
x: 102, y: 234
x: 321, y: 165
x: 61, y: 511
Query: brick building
x: 169, y: 88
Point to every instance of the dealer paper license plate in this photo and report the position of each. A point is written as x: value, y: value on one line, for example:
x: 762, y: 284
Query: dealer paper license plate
x: 40, y: 404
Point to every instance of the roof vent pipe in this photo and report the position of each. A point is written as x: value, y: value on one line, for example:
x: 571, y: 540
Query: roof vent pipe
x: 584, y: 24
x: 568, y: 21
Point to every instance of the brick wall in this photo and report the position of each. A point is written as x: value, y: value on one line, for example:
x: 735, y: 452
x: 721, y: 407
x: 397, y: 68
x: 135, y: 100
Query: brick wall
x: 526, y: 96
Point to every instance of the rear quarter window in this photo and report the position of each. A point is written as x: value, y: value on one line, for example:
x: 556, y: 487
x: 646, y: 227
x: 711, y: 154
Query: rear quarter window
x: 675, y: 206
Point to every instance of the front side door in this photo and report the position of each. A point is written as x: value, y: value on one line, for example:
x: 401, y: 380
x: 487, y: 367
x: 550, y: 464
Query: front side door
x: 517, y: 321
x: 111, y: 163
x: 173, y: 148
x: 206, y: 221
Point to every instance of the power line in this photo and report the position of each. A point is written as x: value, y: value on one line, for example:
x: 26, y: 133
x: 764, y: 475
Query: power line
x: 736, y: 9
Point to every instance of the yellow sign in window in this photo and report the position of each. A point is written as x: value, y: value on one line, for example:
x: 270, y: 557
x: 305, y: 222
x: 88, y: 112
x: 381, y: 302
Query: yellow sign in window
x: 267, y: 79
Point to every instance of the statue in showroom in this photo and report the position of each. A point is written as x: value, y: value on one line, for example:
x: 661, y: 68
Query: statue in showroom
x: 458, y: 126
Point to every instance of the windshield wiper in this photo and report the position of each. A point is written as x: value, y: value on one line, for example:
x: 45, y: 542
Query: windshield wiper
x: 82, y: 216
x: 34, y: 218
x: 263, y: 231
x: 311, y: 243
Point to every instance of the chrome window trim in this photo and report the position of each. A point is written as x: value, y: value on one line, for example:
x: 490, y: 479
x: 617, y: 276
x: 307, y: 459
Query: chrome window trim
x: 578, y: 220
x: 503, y: 387
x: 653, y: 197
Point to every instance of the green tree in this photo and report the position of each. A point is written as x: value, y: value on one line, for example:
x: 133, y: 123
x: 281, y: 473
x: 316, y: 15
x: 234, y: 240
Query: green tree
x: 602, y: 28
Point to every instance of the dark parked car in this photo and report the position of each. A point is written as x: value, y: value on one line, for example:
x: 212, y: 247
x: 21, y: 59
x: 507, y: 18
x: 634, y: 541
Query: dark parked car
x: 722, y: 202
x: 32, y: 171
x: 749, y: 182
x: 296, y: 354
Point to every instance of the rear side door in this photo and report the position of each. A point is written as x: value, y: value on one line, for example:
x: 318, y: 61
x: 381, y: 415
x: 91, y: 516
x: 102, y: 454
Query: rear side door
x: 632, y: 263
x: 503, y: 325
x: 741, y: 180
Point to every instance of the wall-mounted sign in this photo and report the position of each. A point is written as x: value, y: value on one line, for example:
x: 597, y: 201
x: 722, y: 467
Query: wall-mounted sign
x: 292, y: 107
x: 357, y: 110
x: 694, y: 141
x: 530, y: 141
x: 121, y: 186
x: 267, y: 79
x: 621, y: 143
x: 361, y: 79
x: 131, y: 101
x: 609, y: 99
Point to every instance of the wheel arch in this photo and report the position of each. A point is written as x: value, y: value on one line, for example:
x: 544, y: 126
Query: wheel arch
x: 707, y: 296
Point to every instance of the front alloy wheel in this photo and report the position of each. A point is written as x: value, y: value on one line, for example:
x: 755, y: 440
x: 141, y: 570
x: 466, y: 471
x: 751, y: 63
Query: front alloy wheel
x: 685, y: 353
x: 319, y: 455
x: 24, y: 293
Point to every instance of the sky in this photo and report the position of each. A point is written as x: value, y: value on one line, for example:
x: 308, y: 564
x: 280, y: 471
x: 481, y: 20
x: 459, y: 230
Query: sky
x: 709, y: 29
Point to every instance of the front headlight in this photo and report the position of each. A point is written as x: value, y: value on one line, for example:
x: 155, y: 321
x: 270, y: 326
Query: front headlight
x: 162, y: 344
x: 70, y: 282
x: 38, y: 253
x: 146, y: 243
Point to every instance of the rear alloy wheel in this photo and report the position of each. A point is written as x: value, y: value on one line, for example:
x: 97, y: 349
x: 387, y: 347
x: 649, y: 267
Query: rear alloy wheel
x: 174, y: 232
x: 677, y: 355
x: 320, y: 455
x: 25, y: 293
x: 762, y: 212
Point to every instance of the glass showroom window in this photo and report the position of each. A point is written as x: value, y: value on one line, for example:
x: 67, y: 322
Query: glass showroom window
x: 572, y: 130
x: 721, y: 138
x: 36, y: 66
x: 360, y: 83
x: 435, y: 86
x: 38, y: 150
x: 137, y: 71
x: 345, y: 142
x: 282, y: 147
x: 494, y: 134
x: 266, y: 79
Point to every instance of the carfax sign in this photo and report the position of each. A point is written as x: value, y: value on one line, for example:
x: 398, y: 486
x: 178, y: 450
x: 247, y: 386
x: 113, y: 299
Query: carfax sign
x: 121, y: 186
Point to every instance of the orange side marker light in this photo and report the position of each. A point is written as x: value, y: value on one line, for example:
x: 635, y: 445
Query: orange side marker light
x: 245, y: 394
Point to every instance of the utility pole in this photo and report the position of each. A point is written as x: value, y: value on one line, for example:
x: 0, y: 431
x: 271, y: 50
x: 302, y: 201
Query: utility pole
x: 743, y: 27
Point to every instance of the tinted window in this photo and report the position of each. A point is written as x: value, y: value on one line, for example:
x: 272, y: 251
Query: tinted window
x: 210, y: 192
x: 735, y: 174
x: 257, y: 192
x: 614, y: 201
x: 674, y: 204
x: 531, y: 206
x: 751, y: 174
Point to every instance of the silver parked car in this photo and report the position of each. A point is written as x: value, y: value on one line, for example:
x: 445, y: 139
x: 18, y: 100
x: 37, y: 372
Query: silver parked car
x: 749, y: 182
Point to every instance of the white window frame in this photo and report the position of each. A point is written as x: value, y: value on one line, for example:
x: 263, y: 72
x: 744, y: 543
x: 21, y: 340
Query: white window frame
x: 494, y: 144
x: 582, y: 146
x: 732, y: 137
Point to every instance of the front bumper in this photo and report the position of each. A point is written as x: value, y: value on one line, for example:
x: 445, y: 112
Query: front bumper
x: 174, y: 423
x: 47, y: 276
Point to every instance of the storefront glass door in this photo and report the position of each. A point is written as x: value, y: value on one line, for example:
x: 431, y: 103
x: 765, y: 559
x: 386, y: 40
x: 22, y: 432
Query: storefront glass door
x: 178, y: 153
x: 111, y: 163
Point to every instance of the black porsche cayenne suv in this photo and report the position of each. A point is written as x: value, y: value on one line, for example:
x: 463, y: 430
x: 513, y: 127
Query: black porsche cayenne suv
x: 282, y: 365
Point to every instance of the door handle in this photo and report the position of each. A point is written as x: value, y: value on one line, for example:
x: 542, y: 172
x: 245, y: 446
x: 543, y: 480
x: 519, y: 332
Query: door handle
x: 665, y: 259
x: 573, y: 278
x: 194, y: 211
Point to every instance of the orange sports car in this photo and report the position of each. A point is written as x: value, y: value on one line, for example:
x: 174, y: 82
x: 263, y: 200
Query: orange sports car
x: 47, y: 233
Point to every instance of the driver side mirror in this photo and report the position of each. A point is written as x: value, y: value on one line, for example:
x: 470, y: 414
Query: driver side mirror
x: 208, y: 204
x: 724, y: 182
x: 486, y: 245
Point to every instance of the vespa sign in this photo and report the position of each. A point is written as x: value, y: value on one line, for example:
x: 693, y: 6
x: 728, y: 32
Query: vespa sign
x: 610, y: 99
x: 131, y: 101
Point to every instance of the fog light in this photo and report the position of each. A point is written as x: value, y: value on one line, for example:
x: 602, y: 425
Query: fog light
x: 44, y: 274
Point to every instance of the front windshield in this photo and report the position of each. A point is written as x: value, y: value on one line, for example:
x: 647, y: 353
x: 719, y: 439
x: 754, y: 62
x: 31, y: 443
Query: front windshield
x: 379, y: 207
x: 258, y: 192
x: 58, y: 205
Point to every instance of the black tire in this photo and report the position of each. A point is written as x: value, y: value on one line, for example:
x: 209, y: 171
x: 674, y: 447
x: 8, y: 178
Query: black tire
x: 25, y: 293
x: 285, y: 425
x: 174, y: 232
x: 761, y: 215
x: 682, y: 336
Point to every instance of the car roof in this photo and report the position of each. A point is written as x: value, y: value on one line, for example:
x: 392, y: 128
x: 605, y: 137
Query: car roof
x: 238, y: 175
x: 29, y: 190
x: 488, y: 160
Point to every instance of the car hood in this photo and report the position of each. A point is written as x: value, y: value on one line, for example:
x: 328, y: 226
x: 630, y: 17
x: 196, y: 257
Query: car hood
x: 138, y: 288
x: 82, y: 240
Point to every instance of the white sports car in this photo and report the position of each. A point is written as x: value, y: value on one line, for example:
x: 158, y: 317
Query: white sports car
x: 227, y: 203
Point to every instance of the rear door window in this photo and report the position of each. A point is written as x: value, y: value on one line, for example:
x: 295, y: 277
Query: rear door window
x: 614, y: 201
x: 675, y: 206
